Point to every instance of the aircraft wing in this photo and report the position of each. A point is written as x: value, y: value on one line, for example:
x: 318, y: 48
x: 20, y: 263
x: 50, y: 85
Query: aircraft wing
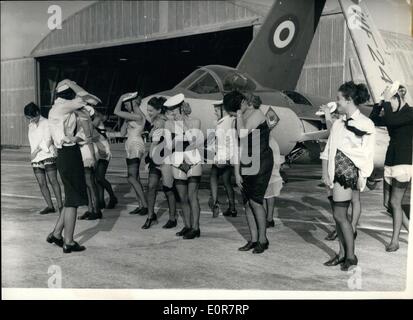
x: 277, y: 54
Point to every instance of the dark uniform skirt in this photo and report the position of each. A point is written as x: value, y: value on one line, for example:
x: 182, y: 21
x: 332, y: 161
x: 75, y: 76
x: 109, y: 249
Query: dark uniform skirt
x: 346, y: 173
x: 71, y: 170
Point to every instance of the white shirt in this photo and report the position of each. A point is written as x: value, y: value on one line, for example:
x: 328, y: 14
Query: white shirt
x: 225, y: 140
x: 40, y: 137
x: 62, y: 120
x: 360, y: 150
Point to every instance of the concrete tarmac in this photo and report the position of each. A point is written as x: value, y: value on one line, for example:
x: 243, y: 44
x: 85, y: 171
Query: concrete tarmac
x: 121, y: 255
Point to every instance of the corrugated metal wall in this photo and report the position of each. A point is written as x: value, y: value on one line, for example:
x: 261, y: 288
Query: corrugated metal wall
x: 109, y: 23
x: 324, y: 68
x: 17, y: 89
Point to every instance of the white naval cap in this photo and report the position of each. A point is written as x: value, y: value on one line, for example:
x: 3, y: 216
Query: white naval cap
x: 86, y: 96
x: 218, y: 103
x: 174, y: 101
x: 130, y: 96
x: 331, y: 105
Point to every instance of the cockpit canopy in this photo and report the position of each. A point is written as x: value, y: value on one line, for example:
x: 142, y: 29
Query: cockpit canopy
x: 214, y: 79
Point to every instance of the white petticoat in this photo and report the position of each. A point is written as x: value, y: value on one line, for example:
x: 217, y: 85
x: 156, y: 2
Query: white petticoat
x: 401, y: 172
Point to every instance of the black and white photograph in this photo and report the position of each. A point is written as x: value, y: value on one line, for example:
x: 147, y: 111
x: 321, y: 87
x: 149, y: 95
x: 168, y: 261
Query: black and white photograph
x: 233, y: 149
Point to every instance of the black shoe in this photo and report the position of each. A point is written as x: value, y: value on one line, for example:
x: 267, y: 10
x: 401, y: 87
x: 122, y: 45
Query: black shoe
x: 334, y: 261
x: 112, y: 203
x: 170, y: 224
x: 230, y: 213
x: 183, y: 231
x: 270, y: 224
x: 250, y: 245
x: 143, y: 212
x: 68, y: 248
x: 215, y: 211
x: 260, y: 247
x: 192, y: 233
x: 94, y: 215
x: 84, y: 216
x: 331, y: 236
x: 47, y: 210
x: 136, y: 211
x: 348, y: 263
x: 52, y: 239
x: 150, y: 221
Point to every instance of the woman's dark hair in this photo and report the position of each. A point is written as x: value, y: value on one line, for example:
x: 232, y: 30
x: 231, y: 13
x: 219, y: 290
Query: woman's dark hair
x: 31, y: 110
x: 233, y: 100
x: 157, y: 103
x: 254, y: 100
x: 67, y: 94
x: 357, y: 92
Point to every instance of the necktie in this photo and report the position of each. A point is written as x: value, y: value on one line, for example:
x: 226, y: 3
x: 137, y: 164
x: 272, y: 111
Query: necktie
x: 356, y: 131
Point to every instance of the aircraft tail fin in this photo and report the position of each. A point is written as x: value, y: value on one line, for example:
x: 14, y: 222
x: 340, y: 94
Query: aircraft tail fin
x: 277, y: 54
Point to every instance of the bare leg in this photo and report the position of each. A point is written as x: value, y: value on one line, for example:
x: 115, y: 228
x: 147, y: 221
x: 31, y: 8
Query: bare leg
x: 396, y: 205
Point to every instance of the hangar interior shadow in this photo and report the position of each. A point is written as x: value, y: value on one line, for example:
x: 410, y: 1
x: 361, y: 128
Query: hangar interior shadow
x: 147, y: 67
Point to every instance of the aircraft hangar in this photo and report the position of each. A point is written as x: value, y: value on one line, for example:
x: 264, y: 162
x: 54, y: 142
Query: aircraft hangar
x: 112, y: 47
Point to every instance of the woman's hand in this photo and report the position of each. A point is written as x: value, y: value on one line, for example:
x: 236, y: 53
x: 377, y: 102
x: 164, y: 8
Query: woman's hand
x: 326, y: 180
x: 239, y: 181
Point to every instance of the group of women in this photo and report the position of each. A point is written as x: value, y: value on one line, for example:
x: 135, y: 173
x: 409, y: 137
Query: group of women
x: 242, y: 141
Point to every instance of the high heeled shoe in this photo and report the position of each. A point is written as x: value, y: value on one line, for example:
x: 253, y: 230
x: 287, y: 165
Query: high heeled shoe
x: 331, y: 236
x: 84, y: 216
x: 250, y: 245
x: 348, y: 263
x: 75, y: 247
x: 94, y: 215
x: 192, y: 234
x: 150, y: 221
x: 52, y: 239
x: 270, y: 224
x: 230, y: 213
x: 336, y: 260
x: 260, y: 247
x: 47, y: 210
x: 170, y: 224
x: 215, y: 210
x: 143, y: 212
x: 391, y: 248
x: 112, y: 203
x: 136, y: 211
x: 183, y: 231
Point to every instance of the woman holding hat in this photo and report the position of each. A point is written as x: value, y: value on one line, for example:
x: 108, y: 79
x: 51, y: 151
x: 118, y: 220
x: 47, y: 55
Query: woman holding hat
x: 185, y: 160
x: 84, y: 135
x: 157, y: 168
x: 398, y: 118
x: 224, y: 148
x: 103, y: 156
x: 347, y: 163
x: 134, y: 145
x: 43, y: 156
x: 62, y: 125
x: 330, y: 114
x: 252, y: 175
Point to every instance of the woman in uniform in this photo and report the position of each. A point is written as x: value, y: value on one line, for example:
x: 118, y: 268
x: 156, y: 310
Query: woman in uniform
x: 157, y: 168
x: 43, y: 156
x: 62, y: 125
x: 186, y: 161
x: 347, y: 163
x: 398, y: 118
x: 134, y: 145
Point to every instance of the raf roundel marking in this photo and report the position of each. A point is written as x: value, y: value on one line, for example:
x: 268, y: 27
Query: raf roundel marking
x: 283, y: 33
